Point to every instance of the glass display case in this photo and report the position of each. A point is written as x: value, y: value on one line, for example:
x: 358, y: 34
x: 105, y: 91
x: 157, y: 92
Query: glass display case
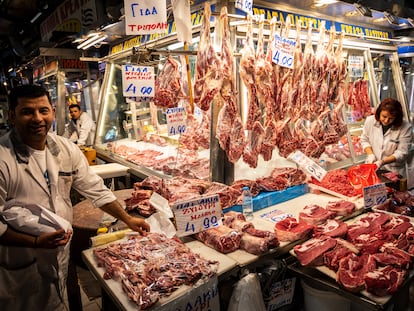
x: 134, y: 132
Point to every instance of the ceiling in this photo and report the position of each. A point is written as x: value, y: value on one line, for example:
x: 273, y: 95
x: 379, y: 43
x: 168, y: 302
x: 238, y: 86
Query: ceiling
x: 20, y: 36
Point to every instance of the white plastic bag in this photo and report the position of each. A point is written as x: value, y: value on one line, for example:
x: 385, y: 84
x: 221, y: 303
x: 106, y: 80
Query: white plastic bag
x: 247, y: 295
x: 33, y: 218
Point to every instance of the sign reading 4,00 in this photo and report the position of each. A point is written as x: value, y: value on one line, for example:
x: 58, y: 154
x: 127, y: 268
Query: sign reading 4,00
x: 176, y: 120
x: 283, y: 51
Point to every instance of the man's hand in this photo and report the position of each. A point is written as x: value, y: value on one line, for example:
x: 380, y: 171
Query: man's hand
x: 370, y: 158
x: 138, y: 224
x: 52, y: 239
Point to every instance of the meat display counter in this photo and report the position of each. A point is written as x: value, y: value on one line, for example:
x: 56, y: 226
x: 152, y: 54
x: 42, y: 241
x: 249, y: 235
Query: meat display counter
x: 229, y: 264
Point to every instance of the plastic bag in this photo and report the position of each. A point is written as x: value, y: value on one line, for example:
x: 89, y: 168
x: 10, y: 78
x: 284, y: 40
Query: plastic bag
x: 247, y: 295
x: 363, y: 175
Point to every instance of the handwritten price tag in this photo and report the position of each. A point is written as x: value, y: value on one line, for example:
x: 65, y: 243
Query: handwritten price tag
x: 197, y: 215
x: 176, y: 120
x: 308, y: 165
x: 374, y: 195
x: 138, y: 81
x: 283, y: 51
x: 244, y: 5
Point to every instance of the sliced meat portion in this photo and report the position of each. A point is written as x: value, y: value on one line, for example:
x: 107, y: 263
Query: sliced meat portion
x: 393, y: 256
x: 384, y: 281
x: 314, y: 214
x: 332, y: 228
x: 311, y: 252
x: 352, y: 270
x: 289, y: 230
x: 341, y: 207
x: 341, y: 250
x: 397, y: 225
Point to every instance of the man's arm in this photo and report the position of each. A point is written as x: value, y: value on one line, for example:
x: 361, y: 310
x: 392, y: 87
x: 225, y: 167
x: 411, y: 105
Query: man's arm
x: 12, y: 237
x: 115, y: 209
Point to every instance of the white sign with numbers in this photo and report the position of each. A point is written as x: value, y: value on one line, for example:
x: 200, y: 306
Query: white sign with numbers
x: 308, y: 165
x: 138, y: 81
x: 283, y: 51
x: 197, y: 215
x: 374, y: 195
x: 176, y: 120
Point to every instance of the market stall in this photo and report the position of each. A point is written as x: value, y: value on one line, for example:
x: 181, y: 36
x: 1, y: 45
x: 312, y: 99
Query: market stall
x: 325, y: 75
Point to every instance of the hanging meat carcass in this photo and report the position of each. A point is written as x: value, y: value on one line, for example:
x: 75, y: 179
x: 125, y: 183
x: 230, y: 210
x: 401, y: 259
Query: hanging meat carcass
x: 263, y: 75
x: 285, y: 77
x: 308, y: 92
x: 229, y: 130
x: 247, y: 71
x: 296, y: 88
x: 208, y: 75
x: 168, y: 85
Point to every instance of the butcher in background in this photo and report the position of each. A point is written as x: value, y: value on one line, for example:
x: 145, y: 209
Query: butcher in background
x: 386, y: 137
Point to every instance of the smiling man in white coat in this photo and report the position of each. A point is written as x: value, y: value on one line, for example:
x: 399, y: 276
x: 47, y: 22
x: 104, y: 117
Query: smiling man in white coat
x: 38, y: 168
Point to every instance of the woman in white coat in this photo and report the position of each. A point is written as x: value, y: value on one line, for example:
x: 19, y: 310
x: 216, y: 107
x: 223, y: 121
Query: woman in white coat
x: 386, y: 137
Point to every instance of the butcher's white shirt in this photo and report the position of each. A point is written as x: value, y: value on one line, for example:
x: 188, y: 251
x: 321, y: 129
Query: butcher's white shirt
x: 395, y: 141
x: 83, y: 131
x: 22, y: 180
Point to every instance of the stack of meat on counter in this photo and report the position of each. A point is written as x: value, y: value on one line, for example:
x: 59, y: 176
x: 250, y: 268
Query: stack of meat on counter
x: 179, y: 189
x: 372, y: 254
x: 152, y: 267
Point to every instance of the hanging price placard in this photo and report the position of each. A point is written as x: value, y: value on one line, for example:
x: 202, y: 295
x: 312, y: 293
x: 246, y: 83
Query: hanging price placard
x: 176, y: 120
x: 356, y: 66
x: 374, y: 195
x: 283, y: 51
x: 197, y: 215
x: 308, y: 165
x: 138, y: 81
x: 244, y: 5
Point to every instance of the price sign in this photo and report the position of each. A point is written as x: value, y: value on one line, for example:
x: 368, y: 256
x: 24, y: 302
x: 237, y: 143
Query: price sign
x: 176, y: 120
x: 244, y: 5
x: 356, y: 66
x: 197, y: 215
x: 283, y: 51
x: 138, y: 81
x: 374, y: 195
x: 308, y: 165
x: 276, y: 215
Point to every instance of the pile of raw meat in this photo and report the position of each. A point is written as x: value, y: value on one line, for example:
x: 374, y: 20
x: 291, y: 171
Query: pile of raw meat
x: 374, y: 253
x: 153, y: 266
x: 398, y: 202
x: 337, y: 181
x: 315, y: 220
x: 187, y: 163
x: 180, y: 189
x: 237, y: 233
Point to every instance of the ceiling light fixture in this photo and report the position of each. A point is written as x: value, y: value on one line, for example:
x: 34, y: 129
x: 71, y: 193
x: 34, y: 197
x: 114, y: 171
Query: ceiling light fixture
x: 92, y: 41
x: 362, y: 9
x: 35, y: 18
x: 391, y: 18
